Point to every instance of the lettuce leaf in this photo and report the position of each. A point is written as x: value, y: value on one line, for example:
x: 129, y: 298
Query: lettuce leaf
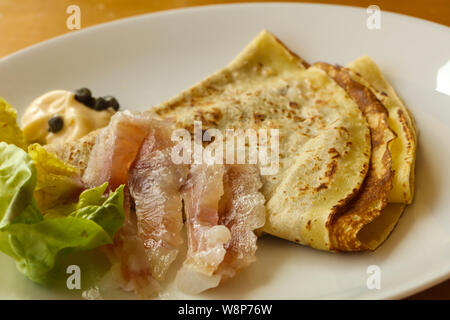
x: 9, y: 130
x: 36, y: 241
x: 57, y: 181
x: 17, y: 181
x: 93, y: 206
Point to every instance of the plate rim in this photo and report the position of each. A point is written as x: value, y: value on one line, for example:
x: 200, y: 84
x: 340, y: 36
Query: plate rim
x: 175, y: 11
x: 407, y: 288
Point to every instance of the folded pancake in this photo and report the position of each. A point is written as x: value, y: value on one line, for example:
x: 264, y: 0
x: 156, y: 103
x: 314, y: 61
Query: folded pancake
x: 403, y: 147
x: 377, y: 231
x: 324, y: 139
x: 373, y: 196
x: 336, y: 173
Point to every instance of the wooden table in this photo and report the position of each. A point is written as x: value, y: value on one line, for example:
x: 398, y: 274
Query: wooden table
x: 26, y: 22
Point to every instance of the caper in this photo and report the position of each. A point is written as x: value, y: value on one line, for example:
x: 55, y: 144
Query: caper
x: 112, y: 102
x: 101, y: 104
x: 55, y: 124
x: 91, y: 103
x: 84, y: 96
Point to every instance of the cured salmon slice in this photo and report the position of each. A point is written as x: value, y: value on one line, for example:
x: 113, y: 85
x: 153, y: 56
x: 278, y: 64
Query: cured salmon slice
x: 115, y: 149
x: 155, y: 182
x: 242, y: 212
x: 206, y: 238
x: 131, y: 269
x: 223, y: 208
x: 135, y: 149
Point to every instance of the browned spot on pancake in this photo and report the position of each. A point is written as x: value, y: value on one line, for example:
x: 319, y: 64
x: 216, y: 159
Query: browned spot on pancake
x: 212, y: 89
x: 303, y: 189
x: 209, y: 118
x: 365, y: 168
x: 321, y: 187
x: 343, y: 129
x: 406, y: 128
x: 308, y: 225
x: 189, y: 127
x: 259, y: 117
x: 336, y: 154
x: 293, y: 104
x: 331, y: 169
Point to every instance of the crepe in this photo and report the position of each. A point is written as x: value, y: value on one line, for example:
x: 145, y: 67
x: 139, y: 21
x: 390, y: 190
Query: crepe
x: 346, y: 142
x: 376, y: 232
x: 324, y: 144
x: 368, y: 205
x: 403, y: 147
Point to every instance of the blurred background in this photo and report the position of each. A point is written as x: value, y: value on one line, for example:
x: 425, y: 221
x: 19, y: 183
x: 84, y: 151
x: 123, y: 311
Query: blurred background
x: 27, y: 22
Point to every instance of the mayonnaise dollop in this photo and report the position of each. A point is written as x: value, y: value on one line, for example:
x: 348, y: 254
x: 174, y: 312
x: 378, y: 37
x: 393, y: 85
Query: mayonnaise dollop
x: 78, y: 119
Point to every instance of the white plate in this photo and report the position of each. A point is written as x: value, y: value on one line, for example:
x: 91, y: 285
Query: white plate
x: 147, y: 59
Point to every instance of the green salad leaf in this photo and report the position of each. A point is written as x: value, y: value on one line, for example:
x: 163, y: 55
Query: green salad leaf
x: 92, y: 206
x: 17, y: 181
x: 10, y: 131
x: 36, y: 240
x: 57, y: 181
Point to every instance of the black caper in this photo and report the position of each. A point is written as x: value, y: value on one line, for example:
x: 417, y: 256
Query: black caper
x: 101, y: 104
x: 91, y: 103
x: 84, y: 96
x: 55, y: 124
x: 112, y: 102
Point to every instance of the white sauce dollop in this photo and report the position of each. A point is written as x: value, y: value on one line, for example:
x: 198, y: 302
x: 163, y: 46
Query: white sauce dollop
x: 78, y: 119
